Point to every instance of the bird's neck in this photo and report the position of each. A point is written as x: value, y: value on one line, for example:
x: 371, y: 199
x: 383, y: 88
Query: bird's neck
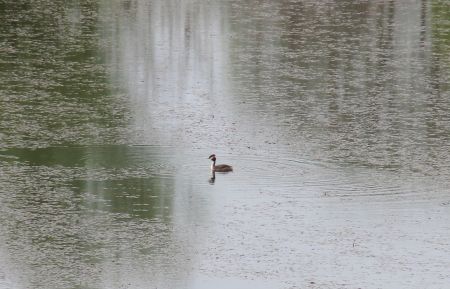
x: 213, y: 165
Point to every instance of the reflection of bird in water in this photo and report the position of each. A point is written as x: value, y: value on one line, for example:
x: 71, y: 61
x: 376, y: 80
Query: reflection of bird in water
x: 219, y: 168
x: 212, y: 180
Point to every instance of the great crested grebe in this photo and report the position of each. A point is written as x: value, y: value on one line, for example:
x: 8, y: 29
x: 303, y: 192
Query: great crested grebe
x: 219, y: 168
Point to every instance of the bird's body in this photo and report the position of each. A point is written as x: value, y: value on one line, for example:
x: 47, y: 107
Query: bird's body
x: 219, y: 168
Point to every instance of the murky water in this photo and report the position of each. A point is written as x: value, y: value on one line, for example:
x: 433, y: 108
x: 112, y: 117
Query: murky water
x: 335, y: 117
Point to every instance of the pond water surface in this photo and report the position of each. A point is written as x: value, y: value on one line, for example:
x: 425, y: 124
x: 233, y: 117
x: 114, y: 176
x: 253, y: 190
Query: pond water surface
x: 334, y: 115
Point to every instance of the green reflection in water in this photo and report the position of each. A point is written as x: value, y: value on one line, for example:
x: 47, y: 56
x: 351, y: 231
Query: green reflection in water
x: 98, y: 207
x: 137, y: 181
x: 441, y: 43
x: 55, y: 86
x: 55, y: 235
x: 139, y: 197
x: 441, y: 23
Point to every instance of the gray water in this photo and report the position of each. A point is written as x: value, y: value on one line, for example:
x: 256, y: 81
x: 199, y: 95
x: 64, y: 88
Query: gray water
x: 334, y: 115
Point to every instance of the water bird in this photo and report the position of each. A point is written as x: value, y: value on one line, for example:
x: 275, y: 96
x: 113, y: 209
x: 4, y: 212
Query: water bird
x: 219, y: 168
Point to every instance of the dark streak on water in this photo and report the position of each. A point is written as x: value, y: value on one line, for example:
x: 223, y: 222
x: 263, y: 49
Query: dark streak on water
x: 335, y: 117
